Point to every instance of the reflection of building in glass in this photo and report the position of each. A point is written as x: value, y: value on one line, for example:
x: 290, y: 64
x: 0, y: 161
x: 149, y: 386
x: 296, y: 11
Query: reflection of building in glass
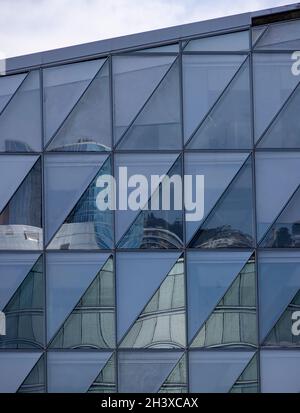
x: 161, y: 324
x: 25, y: 313
x: 233, y: 321
x: 91, y: 323
x: 223, y: 237
x: 86, y: 227
x: 21, y: 219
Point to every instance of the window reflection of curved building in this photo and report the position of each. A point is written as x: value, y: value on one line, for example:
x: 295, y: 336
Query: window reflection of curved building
x: 162, y: 322
x: 91, y: 323
x: 223, y: 237
x: 233, y: 321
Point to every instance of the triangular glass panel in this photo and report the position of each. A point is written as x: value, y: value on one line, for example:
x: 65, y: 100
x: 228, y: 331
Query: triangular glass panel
x: 205, y: 77
x: 88, y: 126
x: 283, y: 334
x: 15, y: 367
x: 144, y: 164
x: 218, y: 170
x: 74, y: 371
x: 162, y: 322
x: 20, y: 121
x: 66, y: 179
x: 158, y: 125
x: 25, y: 313
x: 145, y: 371
x: 8, y: 86
x: 279, y: 282
x: 91, y: 323
x: 68, y: 277
x: 228, y: 124
x: 177, y: 380
x: 257, y: 32
x: 274, y: 82
x: 233, y: 321
x: 106, y: 380
x: 63, y: 87
x: 229, y: 42
x: 281, y: 36
x: 209, y: 276
x: 285, y: 231
x: 284, y: 130
x: 35, y: 381
x: 15, y: 168
x: 282, y: 168
x: 21, y: 219
x: 248, y: 380
x: 86, y: 227
x: 14, y: 267
x: 216, y: 371
x: 230, y: 223
x: 135, y: 78
x: 158, y: 225
x: 138, y: 277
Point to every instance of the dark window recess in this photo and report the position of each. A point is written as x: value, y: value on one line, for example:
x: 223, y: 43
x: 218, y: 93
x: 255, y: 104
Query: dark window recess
x: 277, y: 17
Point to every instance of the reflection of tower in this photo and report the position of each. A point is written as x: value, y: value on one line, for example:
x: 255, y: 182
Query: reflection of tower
x: 93, y: 221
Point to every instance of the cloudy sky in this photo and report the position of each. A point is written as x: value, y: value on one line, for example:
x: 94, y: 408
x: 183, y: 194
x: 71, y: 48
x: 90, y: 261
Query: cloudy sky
x: 28, y: 26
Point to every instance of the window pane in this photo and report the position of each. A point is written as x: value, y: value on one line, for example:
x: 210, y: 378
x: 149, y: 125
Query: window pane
x: 283, y: 169
x: 158, y: 125
x: 139, y: 275
x: 273, y: 84
x: 230, y: 223
x: 162, y: 322
x: 281, y: 36
x: 86, y: 227
x: 21, y: 219
x: 88, y: 128
x: 227, y: 125
x: 135, y: 78
x: 74, y: 372
x: 20, y: 121
x: 145, y: 372
x: 280, y: 371
x: 204, y: 79
x: 216, y: 371
x: 63, y: 86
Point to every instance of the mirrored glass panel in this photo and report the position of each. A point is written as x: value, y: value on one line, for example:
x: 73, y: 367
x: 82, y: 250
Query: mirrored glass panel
x: 21, y: 219
x: 281, y: 36
x: 228, y: 42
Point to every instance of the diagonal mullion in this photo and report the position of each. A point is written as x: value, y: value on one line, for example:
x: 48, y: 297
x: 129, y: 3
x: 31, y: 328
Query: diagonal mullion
x: 21, y: 183
x: 208, y: 317
x: 14, y: 93
x: 149, y: 200
x: 119, y: 343
x: 276, y: 116
x: 112, y: 355
x: 76, y: 202
x: 145, y: 104
x: 35, y: 364
x: 281, y: 211
x: 257, y: 375
x: 74, y: 106
x: 48, y: 344
x: 266, y: 29
x: 195, y: 236
x: 240, y: 68
x: 278, y: 319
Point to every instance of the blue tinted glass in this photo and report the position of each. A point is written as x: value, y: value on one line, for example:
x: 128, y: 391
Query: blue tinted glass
x: 209, y: 275
x: 216, y: 371
x: 139, y: 275
x: 280, y: 371
x: 230, y: 223
x: 224, y: 42
x: 145, y: 372
x: 74, y: 372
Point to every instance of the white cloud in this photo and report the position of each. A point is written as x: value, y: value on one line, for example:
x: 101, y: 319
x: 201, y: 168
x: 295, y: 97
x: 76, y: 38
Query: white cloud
x: 27, y: 26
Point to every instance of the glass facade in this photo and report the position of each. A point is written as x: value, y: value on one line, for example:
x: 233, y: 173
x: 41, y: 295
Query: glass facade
x: 146, y: 300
